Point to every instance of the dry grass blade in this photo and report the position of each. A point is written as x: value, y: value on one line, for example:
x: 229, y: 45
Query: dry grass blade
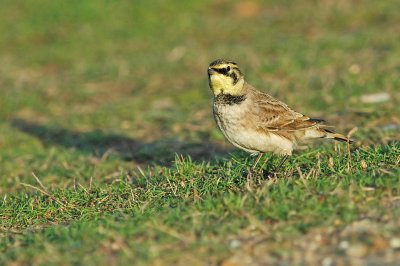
x: 44, y: 193
x: 349, y: 163
x: 172, y: 232
x: 39, y: 182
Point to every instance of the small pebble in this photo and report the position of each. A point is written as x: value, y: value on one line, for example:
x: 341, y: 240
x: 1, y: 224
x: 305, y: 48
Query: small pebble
x: 234, y: 244
x: 344, y: 244
x: 391, y: 127
x: 355, y: 69
x: 375, y: 97
x: 327, y: 261
x: 395, y: 243
x: 357, y: 250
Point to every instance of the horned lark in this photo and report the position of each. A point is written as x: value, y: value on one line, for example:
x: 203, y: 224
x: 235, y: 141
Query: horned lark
x: 255, y: 121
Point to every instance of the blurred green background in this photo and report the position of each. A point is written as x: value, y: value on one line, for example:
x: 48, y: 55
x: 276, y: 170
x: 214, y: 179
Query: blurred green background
x: 95, y: 89
x: 92, y: 76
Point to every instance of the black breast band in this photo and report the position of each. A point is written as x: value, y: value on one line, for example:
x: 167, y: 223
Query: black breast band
x: 229, y: 99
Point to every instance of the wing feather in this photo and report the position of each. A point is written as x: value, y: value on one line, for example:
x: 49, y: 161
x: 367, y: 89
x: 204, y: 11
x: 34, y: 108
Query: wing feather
x: 277, y: 116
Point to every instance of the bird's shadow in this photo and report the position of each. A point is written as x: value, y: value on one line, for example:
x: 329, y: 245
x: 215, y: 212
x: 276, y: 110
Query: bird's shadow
x: 98, y: 143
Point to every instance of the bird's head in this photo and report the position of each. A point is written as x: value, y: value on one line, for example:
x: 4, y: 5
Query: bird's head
x: 225, y: 77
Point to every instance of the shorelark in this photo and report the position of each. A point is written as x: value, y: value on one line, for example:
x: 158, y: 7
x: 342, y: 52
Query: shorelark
x: 256, y: 122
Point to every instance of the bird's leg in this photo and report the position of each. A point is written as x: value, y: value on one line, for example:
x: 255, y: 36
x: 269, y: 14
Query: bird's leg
x: 263, y: 164
x: 257, y: 160
x: 252, y: 169
x: 281, y: 163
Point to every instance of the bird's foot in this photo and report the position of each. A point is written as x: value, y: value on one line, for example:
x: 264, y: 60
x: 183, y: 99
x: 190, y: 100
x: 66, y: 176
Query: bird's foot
x: 249, y: 178
x: 276, y: 175
x: 268, y: 175
x: 254, y: 176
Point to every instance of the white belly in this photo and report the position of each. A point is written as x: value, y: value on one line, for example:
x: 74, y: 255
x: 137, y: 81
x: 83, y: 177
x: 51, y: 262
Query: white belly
x: 253, y: 141
x: 246, y: 138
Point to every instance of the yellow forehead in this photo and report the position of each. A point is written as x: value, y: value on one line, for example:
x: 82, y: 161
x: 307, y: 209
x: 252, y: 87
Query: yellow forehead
x: 223, y: 65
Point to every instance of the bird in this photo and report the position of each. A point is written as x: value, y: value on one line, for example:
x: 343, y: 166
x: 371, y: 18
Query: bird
x: 256, y: 122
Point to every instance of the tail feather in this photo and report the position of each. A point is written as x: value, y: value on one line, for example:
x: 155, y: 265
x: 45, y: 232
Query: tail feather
x: 336, y: 136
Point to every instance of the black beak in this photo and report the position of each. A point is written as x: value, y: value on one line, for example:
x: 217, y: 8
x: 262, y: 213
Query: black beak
x: 211, y: 71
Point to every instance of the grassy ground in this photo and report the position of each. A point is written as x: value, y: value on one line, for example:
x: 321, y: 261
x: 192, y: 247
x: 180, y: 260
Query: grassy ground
x: 109, y: 153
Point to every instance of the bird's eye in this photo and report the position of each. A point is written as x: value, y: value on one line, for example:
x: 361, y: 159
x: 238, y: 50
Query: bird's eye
x: 228, y: 68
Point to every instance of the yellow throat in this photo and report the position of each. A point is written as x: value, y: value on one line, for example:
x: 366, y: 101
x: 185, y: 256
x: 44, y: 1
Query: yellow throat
x: 225, y: 77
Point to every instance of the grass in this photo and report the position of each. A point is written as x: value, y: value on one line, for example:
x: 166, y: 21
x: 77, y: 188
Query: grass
x: 109, y: 153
